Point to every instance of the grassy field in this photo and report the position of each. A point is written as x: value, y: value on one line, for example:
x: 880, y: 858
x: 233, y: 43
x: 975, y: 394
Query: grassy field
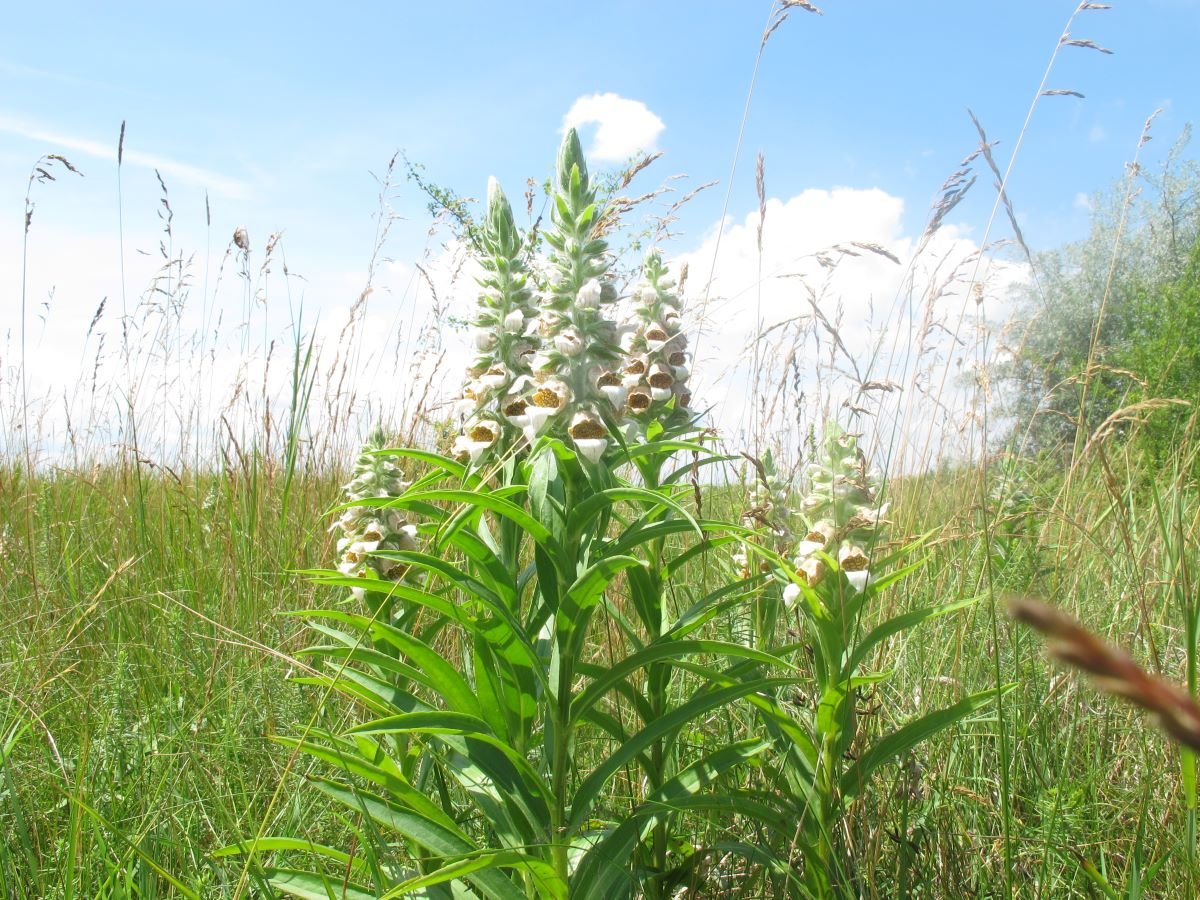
x: 146, y: 654
x: 153, y: 667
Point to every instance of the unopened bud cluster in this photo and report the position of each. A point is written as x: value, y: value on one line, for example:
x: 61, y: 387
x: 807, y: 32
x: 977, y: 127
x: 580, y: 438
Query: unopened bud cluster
x: 558, y: 365
x: 365, y: 529
x: 842, y: 515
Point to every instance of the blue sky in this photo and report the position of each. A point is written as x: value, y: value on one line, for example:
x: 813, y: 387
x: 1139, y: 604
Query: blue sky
x: 281, y: 113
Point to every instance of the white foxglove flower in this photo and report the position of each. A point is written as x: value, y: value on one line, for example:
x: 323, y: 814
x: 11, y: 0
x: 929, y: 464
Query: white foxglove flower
x: 591, y: 449
x: 495, y: 377
x: 860, y: 579
x: 656, y: 337
x: 553, y: 394
x: 639, y: 399
x: 812, y: 570
x: 461, y: 448
x: 791, y: 595
x: 478, y: 440
x: 589, y: 295
x: 568, y: 343
x: 515, y: 409
x: 661, y: 382
x: 615, y: 393
x: 514, y: 322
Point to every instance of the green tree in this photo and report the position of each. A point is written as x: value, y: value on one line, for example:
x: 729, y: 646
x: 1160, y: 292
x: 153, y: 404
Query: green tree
x: 1112, y: 320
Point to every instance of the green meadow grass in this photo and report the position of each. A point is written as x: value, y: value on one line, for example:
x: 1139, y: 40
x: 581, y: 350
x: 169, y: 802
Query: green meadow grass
x: 147, y: 649
x: 145, y: 655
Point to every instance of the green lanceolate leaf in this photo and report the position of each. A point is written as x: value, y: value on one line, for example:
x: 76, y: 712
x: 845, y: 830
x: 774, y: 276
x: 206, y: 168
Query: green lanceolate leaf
x: 892, y: 746
x: 653, y: 501
x: 429, y: 667
x: 543, y: 878
x: 450, y: 467
x: 312, y: 886
x: 480, y: 500
x: 435, y: 838
x: 582, y: 596
x: 899, y: 624
x: 491, y: 770
x: 590, y: 789
x: 345, y: 755
x: 657, y: 652
x: 394, y: 589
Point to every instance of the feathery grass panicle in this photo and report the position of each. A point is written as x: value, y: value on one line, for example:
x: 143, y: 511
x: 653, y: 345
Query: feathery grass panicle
x: 1112, y: 670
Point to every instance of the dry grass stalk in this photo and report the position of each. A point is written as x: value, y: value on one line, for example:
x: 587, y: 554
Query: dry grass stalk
x: 1112, y: 670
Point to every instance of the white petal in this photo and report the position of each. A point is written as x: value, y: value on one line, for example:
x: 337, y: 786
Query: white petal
x: 859, y: 579
x: 791, y: 595
x: 477, y: 448
x: 808, y: 548
x: 591, y: 448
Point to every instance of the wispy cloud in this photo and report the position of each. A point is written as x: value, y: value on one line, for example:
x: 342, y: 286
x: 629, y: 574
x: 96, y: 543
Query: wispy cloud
x: 219, y: 185
x: 19, y: 70
x: 623, y: 126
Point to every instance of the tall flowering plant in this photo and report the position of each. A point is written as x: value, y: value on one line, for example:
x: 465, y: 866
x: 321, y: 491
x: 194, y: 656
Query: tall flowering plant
x: 832, y: 566
x: 526, y: 742
x: 559, y: 712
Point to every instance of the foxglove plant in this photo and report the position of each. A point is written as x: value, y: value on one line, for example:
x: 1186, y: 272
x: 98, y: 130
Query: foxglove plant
x: 843, y: 514
x: 834, y: 573
x: 528, y: 564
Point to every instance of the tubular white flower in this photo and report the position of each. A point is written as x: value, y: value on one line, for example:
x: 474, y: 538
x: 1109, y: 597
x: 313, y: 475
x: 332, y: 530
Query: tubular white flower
x: 590, y: 294
x: 656, y: 337
x: 615, y: 393
x: 791, y: 595
x: 514, y: 322
x: 812, y: 570
x: 591, y: 449
x: 553, y: 394
x: 461, y: 448
x: 568, y: 342
x: 495, y: 377
x: 537, y: 416
x: 860, y: 579
x: 639, y: 398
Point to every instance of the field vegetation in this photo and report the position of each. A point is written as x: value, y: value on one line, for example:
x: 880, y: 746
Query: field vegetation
x: 558, y: 636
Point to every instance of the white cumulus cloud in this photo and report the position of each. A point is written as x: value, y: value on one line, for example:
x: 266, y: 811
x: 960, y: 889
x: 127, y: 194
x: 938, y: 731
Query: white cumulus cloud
x: 842, y: 295
x: 623, y: 126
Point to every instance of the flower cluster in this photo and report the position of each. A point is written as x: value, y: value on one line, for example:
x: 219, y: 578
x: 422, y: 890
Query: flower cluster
x: 502, y: 334
x: 656, y: 362
x: 842, y: 515
x: 559, y: 365
x: 365, y: 529
x: 576, y: 367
